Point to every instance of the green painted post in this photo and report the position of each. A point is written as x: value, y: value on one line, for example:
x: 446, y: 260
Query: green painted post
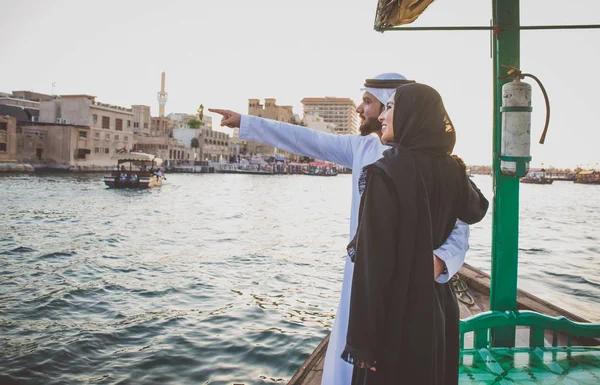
x: 505, y: 233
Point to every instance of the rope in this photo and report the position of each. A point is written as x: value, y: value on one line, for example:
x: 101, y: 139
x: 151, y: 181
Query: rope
x: 462, y: 291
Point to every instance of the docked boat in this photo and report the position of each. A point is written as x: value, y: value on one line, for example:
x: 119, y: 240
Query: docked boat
x: 135, y: 170
x: 326, y: 172
x: 588, y: 177
x: 243, y: 168
x: 472, y: 288
x: 537, y: 180
x: 506, y: 336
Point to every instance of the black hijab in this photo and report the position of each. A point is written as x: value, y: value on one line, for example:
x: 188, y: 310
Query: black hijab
x: 421, y: 122
x: 417, y: 190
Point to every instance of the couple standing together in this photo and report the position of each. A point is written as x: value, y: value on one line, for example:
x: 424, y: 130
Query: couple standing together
x: 398, y: 318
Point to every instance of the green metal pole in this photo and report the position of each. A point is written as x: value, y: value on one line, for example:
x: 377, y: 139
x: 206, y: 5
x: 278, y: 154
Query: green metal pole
x: 505, y: 233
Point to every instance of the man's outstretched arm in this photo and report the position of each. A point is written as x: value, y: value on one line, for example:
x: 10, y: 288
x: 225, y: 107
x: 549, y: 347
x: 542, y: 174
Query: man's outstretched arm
x: 296, y: 139
x: 453, y: 251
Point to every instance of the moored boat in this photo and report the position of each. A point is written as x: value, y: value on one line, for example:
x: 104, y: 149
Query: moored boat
x: 536, y: 180
x: 135, y: 170
x: 588, y: 177
x: 320, y: 172
x: 473, y: 291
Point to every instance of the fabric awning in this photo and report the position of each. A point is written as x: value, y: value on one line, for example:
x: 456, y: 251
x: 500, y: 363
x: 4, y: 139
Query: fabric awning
x: 393, y: 13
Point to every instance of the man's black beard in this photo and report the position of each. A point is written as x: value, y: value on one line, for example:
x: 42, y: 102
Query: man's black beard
x: 369, y: 126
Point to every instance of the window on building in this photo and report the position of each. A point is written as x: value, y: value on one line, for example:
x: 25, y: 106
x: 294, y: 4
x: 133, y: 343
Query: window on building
x: 136, y: 124
x: 107, y: 137
x: 106, y: 151
x: 102, y: 151
x: 126, y: 138
x: 94, y: 118
x: 119, y: 124
x: 116, y: 137
x: 105, y: 122
x: 3, y: 147
x: 3, y: 126
x: 97, y: 135
x: 96, y: 150
x: 82, y: 134
x: 128, y: 123
x: 145, y: 125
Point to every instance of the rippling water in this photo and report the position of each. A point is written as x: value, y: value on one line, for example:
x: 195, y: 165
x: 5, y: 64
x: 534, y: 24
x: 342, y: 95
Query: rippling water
x: 219, y: 279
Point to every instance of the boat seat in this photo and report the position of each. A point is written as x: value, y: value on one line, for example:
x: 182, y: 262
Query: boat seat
x: 543, y: 361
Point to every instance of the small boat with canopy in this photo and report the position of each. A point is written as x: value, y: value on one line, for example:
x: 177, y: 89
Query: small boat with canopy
x: 135, y: 170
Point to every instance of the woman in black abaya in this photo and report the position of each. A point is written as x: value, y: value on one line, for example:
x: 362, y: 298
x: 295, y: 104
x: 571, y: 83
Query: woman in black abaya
x: 403, y: 325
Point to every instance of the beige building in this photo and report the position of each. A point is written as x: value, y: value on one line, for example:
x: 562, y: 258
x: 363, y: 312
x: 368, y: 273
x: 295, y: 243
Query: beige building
x: 161, y: 126
x: 339, y: 111
x: 180, y: 120
x: 270, y: 110
x: 55, y: 145
x: 317, y: 123
x: 141, y: 119
x: 110, y: 126
x: 168, y: 149
x: 214, y: 145
x: 8, y: 139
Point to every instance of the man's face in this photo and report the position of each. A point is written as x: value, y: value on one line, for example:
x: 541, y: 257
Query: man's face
x: 369, y: 111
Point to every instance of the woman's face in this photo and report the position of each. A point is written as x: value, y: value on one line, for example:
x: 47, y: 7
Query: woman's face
x: 387, y: 121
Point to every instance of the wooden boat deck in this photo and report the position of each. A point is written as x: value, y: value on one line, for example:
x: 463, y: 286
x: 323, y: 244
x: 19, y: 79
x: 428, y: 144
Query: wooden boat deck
x: 478, y: 284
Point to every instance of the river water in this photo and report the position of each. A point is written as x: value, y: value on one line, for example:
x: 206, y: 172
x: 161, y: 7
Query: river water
x: 220, y: 279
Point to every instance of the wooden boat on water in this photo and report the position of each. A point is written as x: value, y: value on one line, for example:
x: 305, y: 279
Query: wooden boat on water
x: 536, y: 180
x: 550, y: 364
x: 507, y: 336
x: 588, y: 177
x: 135, y: 170
x: 327, y: 172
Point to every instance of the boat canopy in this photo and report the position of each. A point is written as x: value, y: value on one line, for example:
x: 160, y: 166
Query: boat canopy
x: 137, y: 157
x: 393, y: 13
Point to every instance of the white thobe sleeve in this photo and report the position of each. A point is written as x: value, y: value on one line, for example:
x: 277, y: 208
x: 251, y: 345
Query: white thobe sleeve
x: 453, y: 251
x: 299, y: 140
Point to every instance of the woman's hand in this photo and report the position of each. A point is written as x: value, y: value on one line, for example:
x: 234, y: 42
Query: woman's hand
x: 438, y: 266
x: 371, y: 368
x: 228, y: 118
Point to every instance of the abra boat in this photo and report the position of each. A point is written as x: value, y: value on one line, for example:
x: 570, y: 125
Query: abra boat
x: 588, y: 177
x: 506, y: 336
x: 537, y: 180
x: 327, y: 172
x: 135, y: 170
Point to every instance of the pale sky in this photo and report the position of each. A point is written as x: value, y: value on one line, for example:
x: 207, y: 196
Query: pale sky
x: 221, y: 53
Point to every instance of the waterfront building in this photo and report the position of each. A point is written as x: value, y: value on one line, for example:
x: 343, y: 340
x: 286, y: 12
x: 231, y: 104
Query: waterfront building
x: 168, y: 149
x: 317, y: 123
x: 110, y: 127
x: 23, y: 105
x: 339, y: 111
x: 161, y: 126
x: 180, y: 120
x: 8, y: 139
x: 214, y: 145
x: 58, y: 146
x: 141, y: 119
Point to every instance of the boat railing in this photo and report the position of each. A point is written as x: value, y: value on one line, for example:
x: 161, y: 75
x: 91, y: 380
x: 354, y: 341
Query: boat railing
x: 557, y: 350
x: 482, y: 326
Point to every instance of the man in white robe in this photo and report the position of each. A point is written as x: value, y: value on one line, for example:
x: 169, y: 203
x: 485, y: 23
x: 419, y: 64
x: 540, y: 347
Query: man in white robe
x: 355, y: 152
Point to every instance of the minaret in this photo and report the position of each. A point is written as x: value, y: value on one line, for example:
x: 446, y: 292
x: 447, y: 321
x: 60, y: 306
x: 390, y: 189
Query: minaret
x: 162, y: 97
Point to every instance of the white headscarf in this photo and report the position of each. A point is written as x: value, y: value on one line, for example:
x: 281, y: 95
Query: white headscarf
x: 384, y: 94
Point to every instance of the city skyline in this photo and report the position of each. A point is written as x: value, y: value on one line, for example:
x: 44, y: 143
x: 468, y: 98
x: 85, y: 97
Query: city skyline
x: 221, y: 55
